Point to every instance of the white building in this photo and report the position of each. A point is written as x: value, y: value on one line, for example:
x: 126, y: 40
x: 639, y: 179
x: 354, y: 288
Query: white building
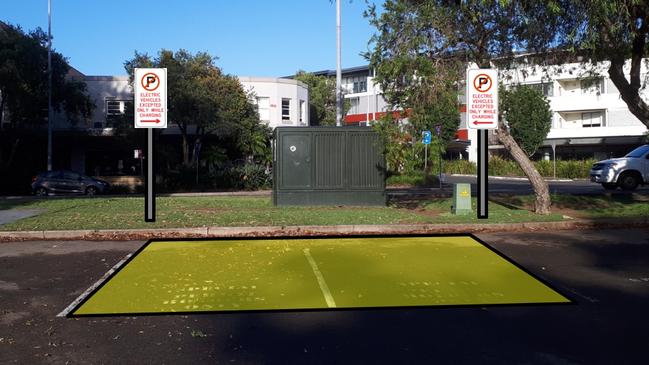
x: 91, y: 146
x: 589, y: 119
x: 280, y: 101
x: 365, y: 97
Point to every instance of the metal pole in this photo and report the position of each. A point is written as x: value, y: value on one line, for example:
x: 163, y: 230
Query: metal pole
x: 49, y: 85
x: 149, y: 198
x: 426, y: 159
x: 339, y: 94
x: 554, y: 159
x: 482, y: 174
x: 440, y: 164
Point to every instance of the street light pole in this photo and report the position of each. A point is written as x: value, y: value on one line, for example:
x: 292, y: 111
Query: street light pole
x: 339, y: 94
x: 49, y: 85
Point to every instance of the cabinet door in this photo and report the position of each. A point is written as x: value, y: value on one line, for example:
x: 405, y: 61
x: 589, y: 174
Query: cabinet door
x: 296, y: 161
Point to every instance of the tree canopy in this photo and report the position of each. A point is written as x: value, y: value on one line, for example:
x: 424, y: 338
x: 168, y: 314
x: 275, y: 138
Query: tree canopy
x: 24, y: 80
x: 200, y: 95
x: 528, y: 116
x: 616, y: 31
x: 322, y: 98
x: 422, y: 48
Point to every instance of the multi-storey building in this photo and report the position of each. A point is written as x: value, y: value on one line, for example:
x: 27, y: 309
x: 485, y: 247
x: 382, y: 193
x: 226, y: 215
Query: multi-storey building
x: 589, y: 118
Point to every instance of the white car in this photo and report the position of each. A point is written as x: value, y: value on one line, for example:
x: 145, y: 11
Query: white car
x: 626, y: 172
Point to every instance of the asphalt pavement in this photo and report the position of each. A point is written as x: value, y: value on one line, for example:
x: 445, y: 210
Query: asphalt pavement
x: 603, y: 271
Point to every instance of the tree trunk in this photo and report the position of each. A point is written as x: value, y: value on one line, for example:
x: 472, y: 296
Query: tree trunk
x: 540, y: 186
x: 2, y: 108
x: 12, y: 153
x: 629, y: 93
x: 185, y: 150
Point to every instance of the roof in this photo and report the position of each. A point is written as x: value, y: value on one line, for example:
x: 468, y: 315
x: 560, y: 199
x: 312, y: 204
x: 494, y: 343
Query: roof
x: 274, y: 80
x: 332, y: 73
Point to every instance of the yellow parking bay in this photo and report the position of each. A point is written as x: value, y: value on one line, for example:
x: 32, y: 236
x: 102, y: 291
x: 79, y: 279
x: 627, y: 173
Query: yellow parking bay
x: 313, y: 273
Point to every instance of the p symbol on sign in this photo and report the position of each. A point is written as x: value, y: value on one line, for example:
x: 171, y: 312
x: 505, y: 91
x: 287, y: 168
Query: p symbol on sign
x: 482, y: 83
x: 150, y: 80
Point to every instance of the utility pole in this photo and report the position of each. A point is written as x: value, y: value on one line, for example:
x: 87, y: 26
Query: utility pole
x: 49, y: 83
x: 339, y: 78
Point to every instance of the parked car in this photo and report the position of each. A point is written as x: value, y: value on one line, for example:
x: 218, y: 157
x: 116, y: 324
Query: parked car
x: 626, y: 172
x: 67, y: 182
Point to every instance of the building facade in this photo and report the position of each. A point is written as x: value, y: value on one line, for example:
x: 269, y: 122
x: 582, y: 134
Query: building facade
x: 91, y: 147
x: 589, y: 117
x: 280, y: 101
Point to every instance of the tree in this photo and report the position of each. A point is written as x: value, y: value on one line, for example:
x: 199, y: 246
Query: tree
x: 528, y: 116
x: 598, y: 30
x: 422, y: 48
x: 24, y: 83
x: 322, y: 98
x: 202, y: 96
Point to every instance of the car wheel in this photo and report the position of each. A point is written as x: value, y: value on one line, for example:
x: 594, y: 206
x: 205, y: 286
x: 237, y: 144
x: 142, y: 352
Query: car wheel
x: 41, y: 191
x: 91, y: 191
x: 610, y: 186
x: 629, y: 182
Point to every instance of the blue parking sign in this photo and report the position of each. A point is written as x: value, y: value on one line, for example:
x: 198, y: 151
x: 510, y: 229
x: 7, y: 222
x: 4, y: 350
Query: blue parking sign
x: 426, y: 137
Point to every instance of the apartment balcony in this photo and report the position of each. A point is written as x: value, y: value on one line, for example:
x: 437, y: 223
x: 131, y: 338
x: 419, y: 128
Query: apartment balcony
x: 596, y: 132
x: 579, y: 102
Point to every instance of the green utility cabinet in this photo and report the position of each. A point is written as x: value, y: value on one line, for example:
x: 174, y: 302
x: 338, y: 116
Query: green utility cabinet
x: 328, y: 166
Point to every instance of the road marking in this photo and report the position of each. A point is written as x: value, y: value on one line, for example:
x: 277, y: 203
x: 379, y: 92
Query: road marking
x: 323, y: 284
x: 68, y: 309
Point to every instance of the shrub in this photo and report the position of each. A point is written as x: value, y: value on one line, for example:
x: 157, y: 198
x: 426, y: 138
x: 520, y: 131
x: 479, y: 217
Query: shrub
x: 252, y: 176
x: 418, y: 179
x: 461, y: 167
x: 499, y: 166
x: 568, y: 169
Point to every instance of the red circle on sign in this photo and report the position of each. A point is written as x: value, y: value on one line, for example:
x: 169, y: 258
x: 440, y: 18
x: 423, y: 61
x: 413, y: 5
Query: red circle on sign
x: 477, y: 87
x: 146, y: 87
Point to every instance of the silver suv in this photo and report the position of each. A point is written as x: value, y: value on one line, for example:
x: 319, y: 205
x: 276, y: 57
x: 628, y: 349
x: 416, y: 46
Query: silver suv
x: 627, y: 172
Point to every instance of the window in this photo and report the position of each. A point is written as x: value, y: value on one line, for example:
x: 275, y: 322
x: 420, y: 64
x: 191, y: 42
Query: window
x: 592, y: 86
x: 355, y: 106
x: 263, y: 106
x: 355, y: 84
x: 302, y: 112
x: 69, y: 175
x: 547, y: 88
x: 286, y: 111
x: 360, y: 86
x: 591, y: 119
x: 115, y: 107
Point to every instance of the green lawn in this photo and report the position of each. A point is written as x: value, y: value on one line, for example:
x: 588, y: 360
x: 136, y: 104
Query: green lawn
x: 589, y: 206
x: 176, y: 212
x: 242, y: 211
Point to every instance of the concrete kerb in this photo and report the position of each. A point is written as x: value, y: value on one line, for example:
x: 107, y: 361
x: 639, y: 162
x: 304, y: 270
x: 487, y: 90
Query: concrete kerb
x: 342, y: 230
x: 515, y: 178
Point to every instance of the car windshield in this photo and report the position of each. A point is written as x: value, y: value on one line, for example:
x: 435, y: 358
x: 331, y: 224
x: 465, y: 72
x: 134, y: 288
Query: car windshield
x: 639, y: 152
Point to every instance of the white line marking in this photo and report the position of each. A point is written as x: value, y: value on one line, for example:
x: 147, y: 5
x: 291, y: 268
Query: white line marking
x: 323, y: 284
x: 83, y: 296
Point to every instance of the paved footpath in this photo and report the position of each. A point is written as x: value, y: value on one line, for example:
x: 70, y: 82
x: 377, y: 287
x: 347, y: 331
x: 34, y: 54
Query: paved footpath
x: 604, y: 271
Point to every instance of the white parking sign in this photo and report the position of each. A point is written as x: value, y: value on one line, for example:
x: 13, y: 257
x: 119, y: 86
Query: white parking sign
x: 150, y: 98
x: 482, y: 99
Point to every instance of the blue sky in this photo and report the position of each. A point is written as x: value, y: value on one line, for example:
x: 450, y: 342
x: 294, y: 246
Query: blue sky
x: 250, y: 37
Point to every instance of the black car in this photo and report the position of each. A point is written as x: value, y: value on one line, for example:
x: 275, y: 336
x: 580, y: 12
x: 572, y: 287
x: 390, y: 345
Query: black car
x: 67, y: 182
